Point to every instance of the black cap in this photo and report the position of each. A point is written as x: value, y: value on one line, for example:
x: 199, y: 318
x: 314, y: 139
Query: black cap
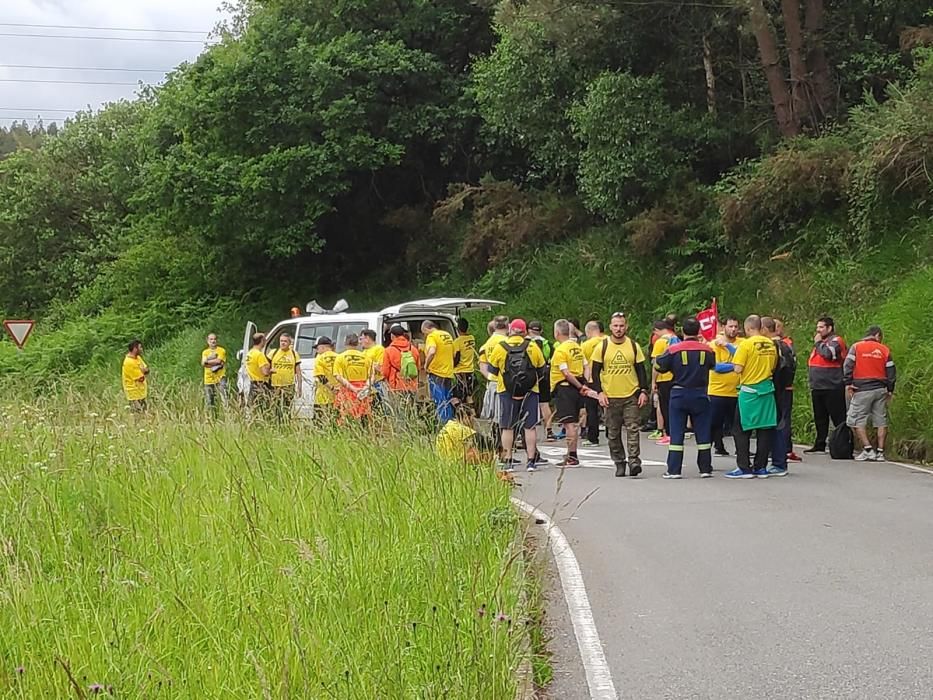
x: 536, y: 326
x: 396, y: 330
x: 323, y: 340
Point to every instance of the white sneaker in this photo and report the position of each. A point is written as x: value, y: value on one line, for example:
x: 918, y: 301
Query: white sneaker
x: 879, y: 456
x: 668, y: 475
x: 866, y: 455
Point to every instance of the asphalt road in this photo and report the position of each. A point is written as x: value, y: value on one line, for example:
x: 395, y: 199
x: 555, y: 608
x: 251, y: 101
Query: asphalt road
x: 814, y: 585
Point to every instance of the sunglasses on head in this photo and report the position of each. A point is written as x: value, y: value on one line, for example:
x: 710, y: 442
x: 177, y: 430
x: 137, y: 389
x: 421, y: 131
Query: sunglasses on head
x: 618, y: 314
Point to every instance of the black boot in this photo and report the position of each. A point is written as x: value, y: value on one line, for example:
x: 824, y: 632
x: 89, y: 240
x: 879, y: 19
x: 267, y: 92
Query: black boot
x: 620, y: 469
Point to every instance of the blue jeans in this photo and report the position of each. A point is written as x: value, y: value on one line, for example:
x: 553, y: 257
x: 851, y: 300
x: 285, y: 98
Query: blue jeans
x: 782, y: 445
x: 695, y: 404
x: 442, y: 395
x: 723, y: 416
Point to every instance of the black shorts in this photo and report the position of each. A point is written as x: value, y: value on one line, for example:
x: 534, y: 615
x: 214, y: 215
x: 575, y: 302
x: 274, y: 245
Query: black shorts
x: 568, y: 405
x: 544, y: 388
x: 464, y: 386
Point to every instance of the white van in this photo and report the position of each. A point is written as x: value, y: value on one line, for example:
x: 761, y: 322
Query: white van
x: 338, y: 323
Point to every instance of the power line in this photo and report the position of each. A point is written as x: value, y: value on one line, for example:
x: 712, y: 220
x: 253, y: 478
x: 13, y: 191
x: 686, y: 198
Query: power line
x: 122, y: 70
x: 63, y: 82
x: 103, y: 29
x: 25, y: 119
x: 37, y: 109
x: 107, y: 38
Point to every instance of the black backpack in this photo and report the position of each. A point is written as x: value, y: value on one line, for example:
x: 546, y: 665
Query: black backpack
x: 786, y: 368
x: 841, y: 442
x: 519, y: 375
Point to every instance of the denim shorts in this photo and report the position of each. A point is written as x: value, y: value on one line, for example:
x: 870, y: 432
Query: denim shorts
x: 518, y: 413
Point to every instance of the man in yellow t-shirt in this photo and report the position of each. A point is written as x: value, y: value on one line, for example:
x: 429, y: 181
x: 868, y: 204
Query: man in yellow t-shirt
x: 286, y: 375
x: 135, y: 377
x: 375, y: 351
x: 464, y: 363
x: 517, y: 378
x: 755, y: 362
x: 498, y: 330
x: 662, y: 382
x: 724, y: 384
x: 353, y: 371
x: 214, y: 362
x: 325, y: 384
x: 439, y: 364
x: 621, y: 378
x: 258, y: 369
x: 595, y: 333
x: 568, y: 386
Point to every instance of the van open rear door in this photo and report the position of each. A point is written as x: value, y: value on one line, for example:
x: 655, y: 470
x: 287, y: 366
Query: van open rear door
x: 242, y: 377
x: 440, y: 305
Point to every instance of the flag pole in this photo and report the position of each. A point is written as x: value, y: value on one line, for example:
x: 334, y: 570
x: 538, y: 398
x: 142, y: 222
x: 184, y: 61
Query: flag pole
x: 716, y: 316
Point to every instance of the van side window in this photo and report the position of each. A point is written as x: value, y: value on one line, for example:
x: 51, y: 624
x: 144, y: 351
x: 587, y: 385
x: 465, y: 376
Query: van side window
x: 272, y: 342
x: 338, y: 332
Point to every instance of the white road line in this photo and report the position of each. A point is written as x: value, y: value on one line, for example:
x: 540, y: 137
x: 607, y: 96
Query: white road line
x: 592, y: 459
x: 598, y: 677
x: 911, y: 467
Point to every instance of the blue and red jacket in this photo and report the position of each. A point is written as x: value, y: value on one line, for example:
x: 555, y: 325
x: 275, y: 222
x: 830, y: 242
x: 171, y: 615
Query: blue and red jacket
x: 690, y: 361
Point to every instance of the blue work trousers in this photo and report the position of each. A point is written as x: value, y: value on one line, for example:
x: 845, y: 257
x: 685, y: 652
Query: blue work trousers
x: 695, y: 405
x: 441, y: 390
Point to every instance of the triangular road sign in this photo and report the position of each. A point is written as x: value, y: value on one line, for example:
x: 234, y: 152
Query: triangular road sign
x: 19, y: 331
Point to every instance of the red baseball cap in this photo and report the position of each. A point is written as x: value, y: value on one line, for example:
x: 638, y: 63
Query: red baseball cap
x: 518, y: 327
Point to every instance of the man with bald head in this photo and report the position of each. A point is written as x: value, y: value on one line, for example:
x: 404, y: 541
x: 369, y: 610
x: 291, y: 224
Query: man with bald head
x: 755, y: 362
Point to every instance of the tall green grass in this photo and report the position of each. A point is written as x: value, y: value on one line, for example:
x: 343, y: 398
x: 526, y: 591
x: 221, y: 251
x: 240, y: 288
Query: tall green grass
x: 180, y: 555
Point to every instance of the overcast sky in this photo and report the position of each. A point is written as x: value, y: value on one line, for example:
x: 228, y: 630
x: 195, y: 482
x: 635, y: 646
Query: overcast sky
x: 28, y: 99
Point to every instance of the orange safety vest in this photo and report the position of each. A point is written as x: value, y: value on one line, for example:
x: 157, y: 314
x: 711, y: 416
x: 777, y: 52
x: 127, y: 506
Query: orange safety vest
x: 871, y: 359
x: 817, y: 360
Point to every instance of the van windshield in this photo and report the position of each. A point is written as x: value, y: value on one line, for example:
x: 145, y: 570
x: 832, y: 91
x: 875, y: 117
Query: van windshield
x: 309, y: 333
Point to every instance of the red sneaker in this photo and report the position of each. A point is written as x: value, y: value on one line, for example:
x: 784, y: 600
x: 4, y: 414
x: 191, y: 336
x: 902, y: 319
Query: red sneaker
x: 794, y: 457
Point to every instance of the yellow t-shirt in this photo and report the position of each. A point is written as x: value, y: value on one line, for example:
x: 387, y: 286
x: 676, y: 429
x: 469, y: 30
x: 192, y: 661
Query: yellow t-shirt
x: 375, y: 355
x: 490, y: 343
x: 589, y: 347
x: 284, y: 364
x: 618, y: 377
x: 723, y: 384
x: 324, y: 369
x: 498, y: 356
x: 255, y: 361
x: 466, y: 346
x: 451, y: 441
x: 210, y: 376
x: 568, y: 355
x: 660, y: 347
x: 353, y: 366
x: 758, y: 357
x: 443, y: 363
x: 134, y: 389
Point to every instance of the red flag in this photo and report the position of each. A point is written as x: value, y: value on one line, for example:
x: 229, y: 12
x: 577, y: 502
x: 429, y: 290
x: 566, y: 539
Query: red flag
x: 709, y: 321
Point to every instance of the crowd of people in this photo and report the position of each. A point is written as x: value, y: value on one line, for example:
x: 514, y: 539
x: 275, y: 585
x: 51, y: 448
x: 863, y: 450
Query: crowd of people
x: 578, y: 384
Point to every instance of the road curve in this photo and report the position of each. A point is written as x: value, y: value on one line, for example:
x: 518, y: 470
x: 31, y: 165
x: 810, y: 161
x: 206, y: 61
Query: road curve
x: 816, y: 585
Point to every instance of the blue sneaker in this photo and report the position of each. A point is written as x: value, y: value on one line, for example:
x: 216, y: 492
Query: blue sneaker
x: 777, y: 471
x: 739, y: 474
x: 762, y: 473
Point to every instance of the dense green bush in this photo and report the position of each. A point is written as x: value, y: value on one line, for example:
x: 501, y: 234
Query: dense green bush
x: 764, y: 201
x: 635, y: 146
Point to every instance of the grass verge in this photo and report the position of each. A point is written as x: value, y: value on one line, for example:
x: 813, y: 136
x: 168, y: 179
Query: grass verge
x: 178, y: 556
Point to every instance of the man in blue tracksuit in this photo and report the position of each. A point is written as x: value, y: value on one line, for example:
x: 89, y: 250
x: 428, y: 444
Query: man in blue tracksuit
x: 690, y: 361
